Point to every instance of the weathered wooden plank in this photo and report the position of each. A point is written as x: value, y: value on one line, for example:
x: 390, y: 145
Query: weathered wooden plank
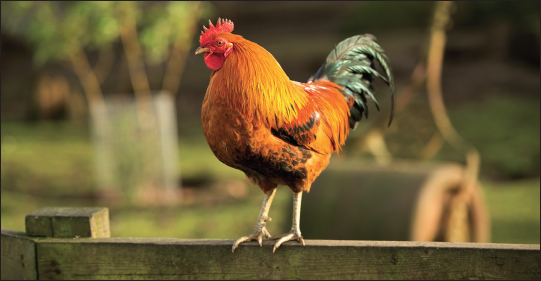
x: 132, y: 258
x: 69, y: 222
x: 18, y: 256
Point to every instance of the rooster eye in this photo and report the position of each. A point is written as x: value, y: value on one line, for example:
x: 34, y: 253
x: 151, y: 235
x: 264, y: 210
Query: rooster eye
x: 220, y: 43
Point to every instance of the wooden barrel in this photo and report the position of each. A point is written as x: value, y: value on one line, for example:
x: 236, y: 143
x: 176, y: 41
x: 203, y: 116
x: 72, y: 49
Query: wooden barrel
x: 404, y: 201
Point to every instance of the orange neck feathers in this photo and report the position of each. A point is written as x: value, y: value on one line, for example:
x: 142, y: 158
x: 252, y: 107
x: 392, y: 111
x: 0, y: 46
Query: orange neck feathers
x: 253, y: 82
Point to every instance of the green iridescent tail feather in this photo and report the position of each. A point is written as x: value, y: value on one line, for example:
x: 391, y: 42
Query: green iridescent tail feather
x: 351, y: 65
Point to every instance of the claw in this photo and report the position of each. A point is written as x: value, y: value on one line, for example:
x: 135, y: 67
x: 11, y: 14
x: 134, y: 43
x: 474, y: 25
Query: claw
x: 240, y: 240
x: 282, y: 240
x: 258, y: 236
x: 286, y: 237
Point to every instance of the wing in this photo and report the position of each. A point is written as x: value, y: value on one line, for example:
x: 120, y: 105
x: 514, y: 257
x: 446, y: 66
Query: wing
x: 322, y: 124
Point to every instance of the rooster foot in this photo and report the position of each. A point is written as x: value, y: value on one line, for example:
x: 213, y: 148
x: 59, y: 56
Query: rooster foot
x: 257, y: 235
x: 293, y: 235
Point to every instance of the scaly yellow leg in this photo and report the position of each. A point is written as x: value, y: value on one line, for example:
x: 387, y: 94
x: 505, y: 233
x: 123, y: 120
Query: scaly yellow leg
x: 263, y: 218
x: 295, y: 233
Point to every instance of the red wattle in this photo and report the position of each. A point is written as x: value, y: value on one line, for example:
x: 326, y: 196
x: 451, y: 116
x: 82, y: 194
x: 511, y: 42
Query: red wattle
x: 214, y: 61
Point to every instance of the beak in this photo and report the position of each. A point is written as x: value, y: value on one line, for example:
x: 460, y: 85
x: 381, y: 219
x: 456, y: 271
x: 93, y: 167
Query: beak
x: 201, y: 50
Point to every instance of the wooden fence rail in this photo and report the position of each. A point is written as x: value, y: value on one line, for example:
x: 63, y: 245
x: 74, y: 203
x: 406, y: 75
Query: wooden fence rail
x: 30, y: 257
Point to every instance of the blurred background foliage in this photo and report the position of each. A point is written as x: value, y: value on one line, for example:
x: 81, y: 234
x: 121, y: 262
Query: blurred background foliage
x: 52, y: 27
x: 490, y: 83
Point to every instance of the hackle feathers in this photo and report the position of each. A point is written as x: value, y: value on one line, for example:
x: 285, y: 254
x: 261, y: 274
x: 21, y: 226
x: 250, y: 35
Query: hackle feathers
x: 256, y: 84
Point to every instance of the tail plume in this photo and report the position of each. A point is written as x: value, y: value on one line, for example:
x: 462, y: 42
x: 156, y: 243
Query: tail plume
x: 351, y: 65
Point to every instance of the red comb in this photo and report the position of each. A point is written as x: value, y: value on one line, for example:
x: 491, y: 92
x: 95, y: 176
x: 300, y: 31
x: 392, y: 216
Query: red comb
x: 221, y: 27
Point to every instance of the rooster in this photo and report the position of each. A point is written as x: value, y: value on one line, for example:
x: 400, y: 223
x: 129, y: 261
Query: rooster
x: 278, y: 131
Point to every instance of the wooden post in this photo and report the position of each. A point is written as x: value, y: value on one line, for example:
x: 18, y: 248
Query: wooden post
x: 18, y: 256
x: 69, y: 223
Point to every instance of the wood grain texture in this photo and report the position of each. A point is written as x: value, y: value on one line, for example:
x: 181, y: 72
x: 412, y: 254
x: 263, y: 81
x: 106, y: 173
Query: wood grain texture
x: 136, y: 258
x: 68, y: 222
x: 18, y: 256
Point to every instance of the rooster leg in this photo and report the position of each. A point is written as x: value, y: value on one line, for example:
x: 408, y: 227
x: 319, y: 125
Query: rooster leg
x: 295, y: 233
x: 260, y: 229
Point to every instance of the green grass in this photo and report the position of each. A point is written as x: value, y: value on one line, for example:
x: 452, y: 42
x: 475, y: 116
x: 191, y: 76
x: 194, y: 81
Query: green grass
x: 513, y: 206
x: 220, y: 218
x: 514, y: 210
x: 57, y: 158
x: 51, y: 164
x: 46, y: 157
x: 220, y: 221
